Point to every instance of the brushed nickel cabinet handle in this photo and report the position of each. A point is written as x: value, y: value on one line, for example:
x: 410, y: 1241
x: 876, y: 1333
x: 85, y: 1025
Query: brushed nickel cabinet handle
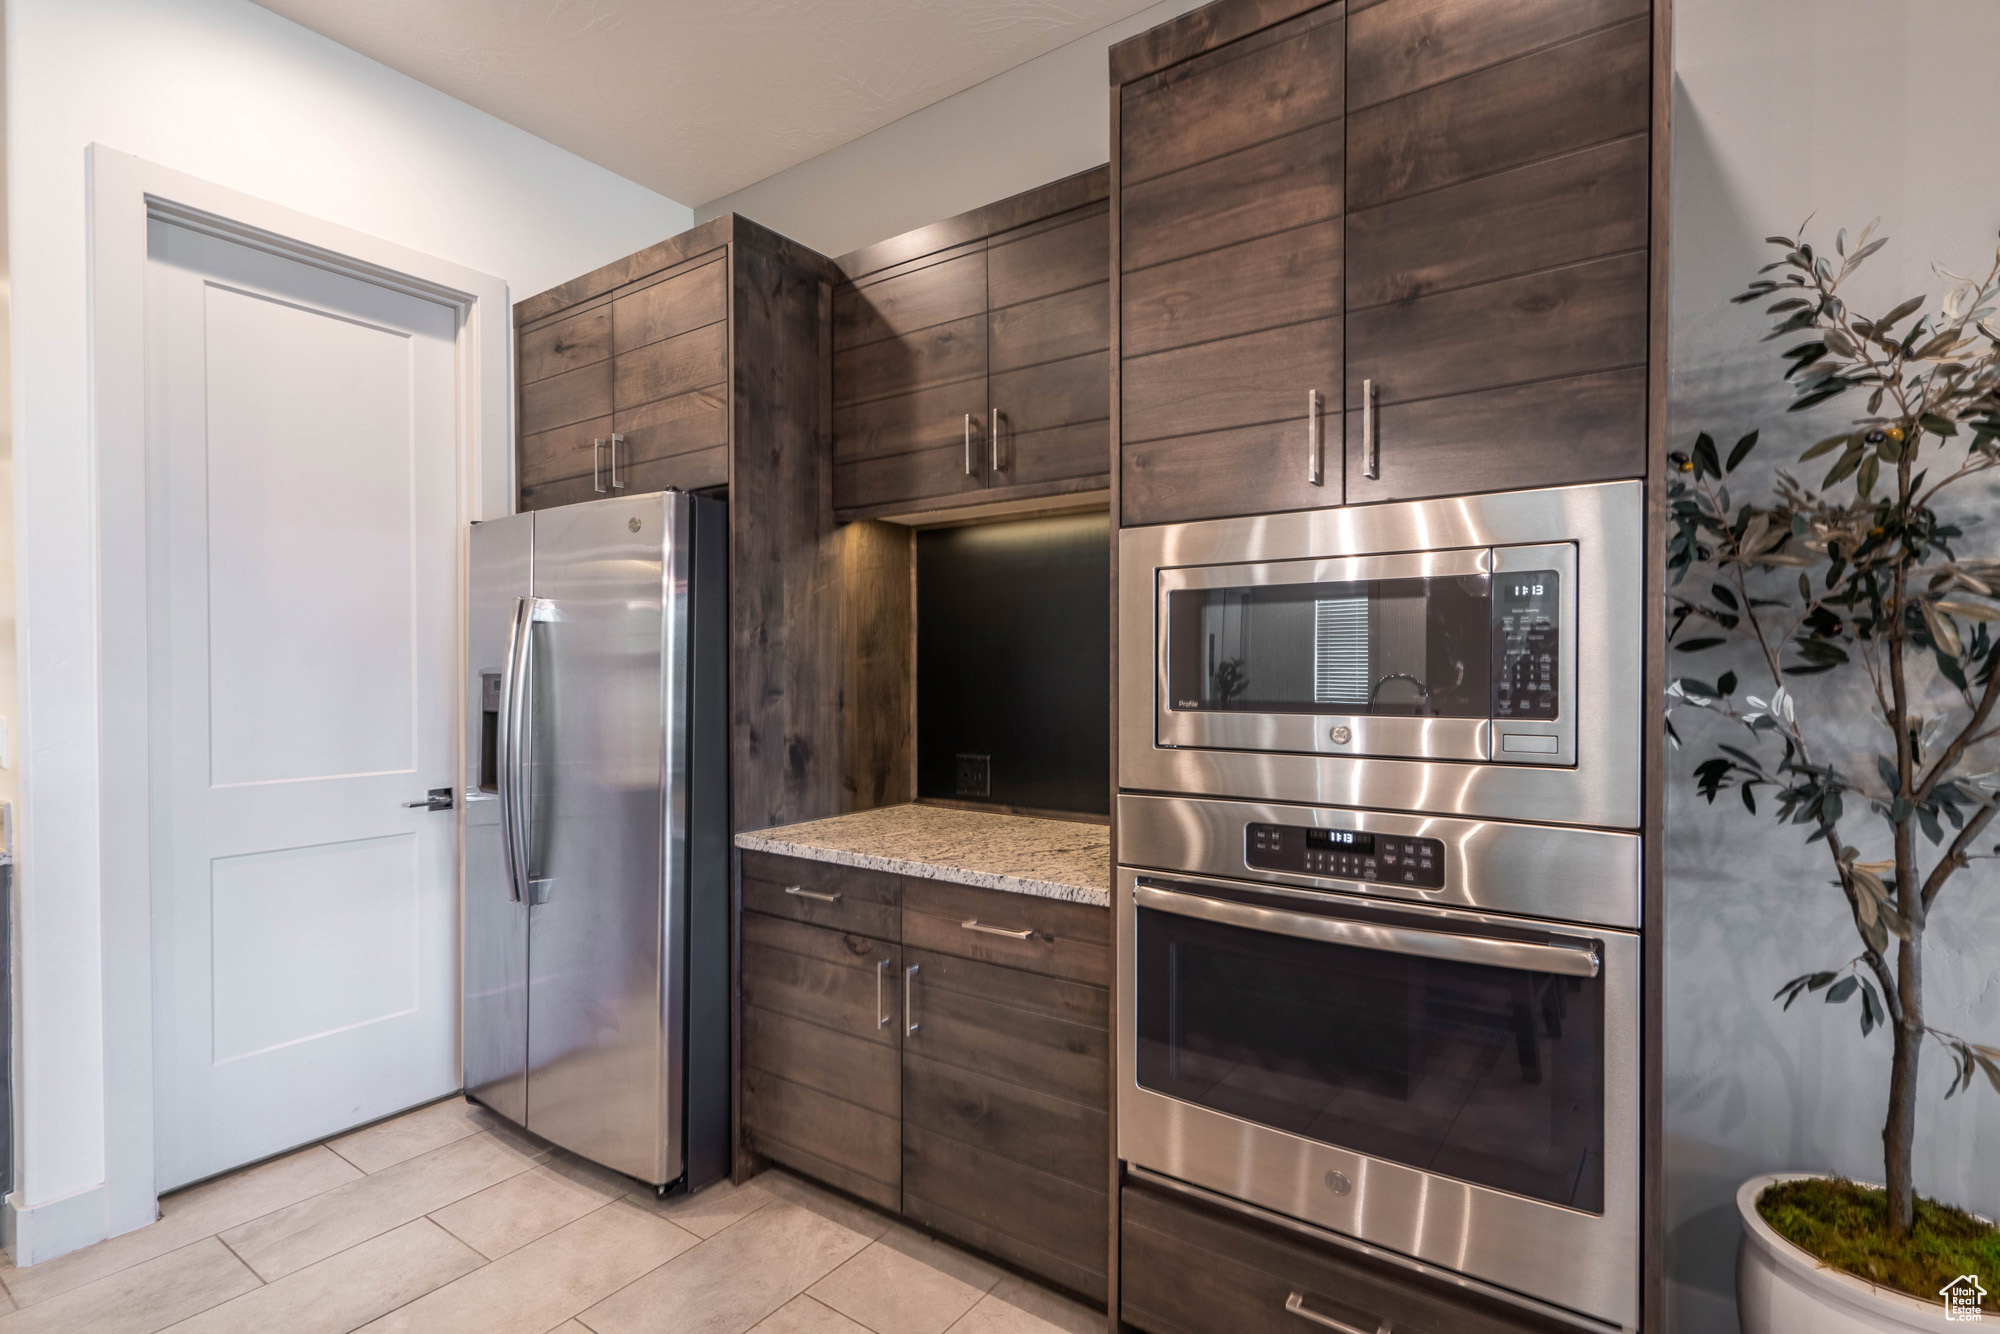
x: 1296, y: 1304
x: 616, y: 440
x: 974, y: 924
x: 1371, y: 453
x: 882, y: 1015
x: 909, y: 1008
x: 800, y: 891
x: 968, y: 444
x: 1315, y: 451
x: 993, y: 440
x: 597, y: 464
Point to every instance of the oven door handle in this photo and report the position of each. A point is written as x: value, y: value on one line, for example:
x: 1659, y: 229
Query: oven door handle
x: 1581, y: 959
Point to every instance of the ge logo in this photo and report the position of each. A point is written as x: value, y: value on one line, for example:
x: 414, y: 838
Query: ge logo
x: 1342, y: 735
x: 632, y: 525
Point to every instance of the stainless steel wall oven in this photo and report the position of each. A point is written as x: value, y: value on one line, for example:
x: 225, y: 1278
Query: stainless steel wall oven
x: 1350, y: 1018
x: 1343, y: 655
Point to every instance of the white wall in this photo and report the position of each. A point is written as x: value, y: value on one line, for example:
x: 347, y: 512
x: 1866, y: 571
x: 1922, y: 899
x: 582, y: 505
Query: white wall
x: 228, y: 92
x: 1784, y: 108
x: 1038, y: 122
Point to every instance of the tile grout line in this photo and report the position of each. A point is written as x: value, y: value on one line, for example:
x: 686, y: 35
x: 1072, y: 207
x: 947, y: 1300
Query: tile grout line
x: 262, y: 1282
x: 699, y: 1242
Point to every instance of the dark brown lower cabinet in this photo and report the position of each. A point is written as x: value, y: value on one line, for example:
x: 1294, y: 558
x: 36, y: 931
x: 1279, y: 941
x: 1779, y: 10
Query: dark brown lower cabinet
x: 822, y: 1081
x: 1189, y: 1268
x: 1006, y: 1080
x: 958, y: 1073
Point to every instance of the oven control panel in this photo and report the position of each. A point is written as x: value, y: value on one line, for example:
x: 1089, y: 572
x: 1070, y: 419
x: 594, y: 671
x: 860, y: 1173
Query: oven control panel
x: 1345, y: 854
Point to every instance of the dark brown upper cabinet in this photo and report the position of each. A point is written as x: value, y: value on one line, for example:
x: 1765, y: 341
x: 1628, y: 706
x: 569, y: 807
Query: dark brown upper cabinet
x: 704, y: 362
x: 1498, y: 159
x: 971, y: 358
x: 1229, y: 133
x: 1433, y: 214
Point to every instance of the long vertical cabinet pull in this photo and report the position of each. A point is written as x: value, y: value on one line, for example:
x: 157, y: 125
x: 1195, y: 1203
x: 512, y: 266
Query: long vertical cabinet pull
x: 597, y: 464
x: 1315, y: 449
x: 1371, y: 454
x: 993, y: 440
x: 882, y: 1014
x: 968, y: 444
x: 909, y: 998
x: 616, y: 440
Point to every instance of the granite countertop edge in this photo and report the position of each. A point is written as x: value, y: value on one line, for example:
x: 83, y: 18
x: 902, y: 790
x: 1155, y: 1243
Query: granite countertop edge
x: 961, y: 875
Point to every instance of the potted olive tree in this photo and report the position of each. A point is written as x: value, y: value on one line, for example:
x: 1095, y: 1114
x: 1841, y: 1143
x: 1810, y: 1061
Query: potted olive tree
x: 1883, y: 573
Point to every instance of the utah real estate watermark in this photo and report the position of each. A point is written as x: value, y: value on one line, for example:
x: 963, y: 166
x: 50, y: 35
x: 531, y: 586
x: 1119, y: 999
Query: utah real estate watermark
x: 1962, y: 1298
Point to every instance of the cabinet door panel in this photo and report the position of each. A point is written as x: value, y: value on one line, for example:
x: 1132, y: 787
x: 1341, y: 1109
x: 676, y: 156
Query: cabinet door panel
x: 1274, y: 187
x: 836, y: 1064
x: 1069, y: 324
x: 572, y: 396
x: 1041, y: 1222
x: 1050, y: 260
x: 907, y: 479
x: 939, y: 355
x: 565, y: 344
x: 671, y: 426
x: 1245, y: 381
x: 1230, y: 99
x: 1590, y: 428
x: 916, y: 299
x: 1067, y: 1139
x: 842, y: 1142
x: 671, y: 307
x: 1567, y: 321
x: 824, y: 977
x: 1055, y: 393
x: 1031, y: 1048
x: 927, y: 419
x: 1571, y: 208
x: 672, y: 366
x: 1399, y: 46
x: 1065, y: 453
x: 564, y: 452
x: 1275, y: 280
x: 1251, y: 470
x: 1587, y: 91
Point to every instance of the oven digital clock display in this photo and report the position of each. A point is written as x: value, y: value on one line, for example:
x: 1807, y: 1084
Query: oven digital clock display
x: 1345, y: 854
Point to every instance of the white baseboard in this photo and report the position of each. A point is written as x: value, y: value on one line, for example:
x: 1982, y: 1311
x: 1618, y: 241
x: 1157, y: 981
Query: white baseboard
x: 54, y: 1227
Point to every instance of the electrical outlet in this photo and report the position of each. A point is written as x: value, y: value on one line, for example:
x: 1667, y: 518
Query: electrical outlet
x: 975, y: 776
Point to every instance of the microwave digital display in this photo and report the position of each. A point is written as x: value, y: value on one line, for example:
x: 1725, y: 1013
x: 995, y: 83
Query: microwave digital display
x: 1453, y: 646
x: 1345, y: 854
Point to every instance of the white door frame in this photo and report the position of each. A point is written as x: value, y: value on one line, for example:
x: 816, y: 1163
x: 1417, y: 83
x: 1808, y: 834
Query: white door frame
x: 124, y: 192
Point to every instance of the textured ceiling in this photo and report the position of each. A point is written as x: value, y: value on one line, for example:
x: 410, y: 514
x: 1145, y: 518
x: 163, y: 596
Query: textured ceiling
x: 697, y: 98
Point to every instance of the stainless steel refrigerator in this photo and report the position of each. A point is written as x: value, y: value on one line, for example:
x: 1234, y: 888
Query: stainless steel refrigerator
x: 596, y: 832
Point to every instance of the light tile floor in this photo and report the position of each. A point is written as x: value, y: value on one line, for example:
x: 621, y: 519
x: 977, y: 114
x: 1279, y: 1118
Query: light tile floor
x: 445, y: 1219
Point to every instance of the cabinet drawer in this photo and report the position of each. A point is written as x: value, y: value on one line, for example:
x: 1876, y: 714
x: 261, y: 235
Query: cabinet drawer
x: 840, y: 1142
x: 1185, y: 1268
x: 1038, y: 1032
x: 844, y: 898
x: 836, y: 980
x: 1071, y: 940
x: 1043, y: 1223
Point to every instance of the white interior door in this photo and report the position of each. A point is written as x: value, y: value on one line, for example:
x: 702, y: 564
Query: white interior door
x: 302, y: 483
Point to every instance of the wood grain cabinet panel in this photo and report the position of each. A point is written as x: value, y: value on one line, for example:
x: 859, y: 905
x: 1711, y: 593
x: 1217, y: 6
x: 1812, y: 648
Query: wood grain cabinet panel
x: 1024, y: 931
x: 565, y: 344
x: 1399, y: 46
x: 974, y: 372
x: 671, y: 306
x: 1230, y: 287
x: 1190, y: 1268
x: 842, y: 898
x: 566, y: 397
x: 693, y: 360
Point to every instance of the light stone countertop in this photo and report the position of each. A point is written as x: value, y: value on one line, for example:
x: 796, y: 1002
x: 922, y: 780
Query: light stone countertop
x: 1055, y: 859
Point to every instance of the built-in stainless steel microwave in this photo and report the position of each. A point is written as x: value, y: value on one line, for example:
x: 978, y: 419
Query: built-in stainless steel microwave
x: 1475, y: 656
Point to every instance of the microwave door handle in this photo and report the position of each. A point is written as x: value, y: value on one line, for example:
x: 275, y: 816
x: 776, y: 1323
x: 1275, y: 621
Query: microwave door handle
x: 1578, y: 960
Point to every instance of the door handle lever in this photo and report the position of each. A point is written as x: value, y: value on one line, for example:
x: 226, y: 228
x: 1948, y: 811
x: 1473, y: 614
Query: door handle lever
x: 438, y: 800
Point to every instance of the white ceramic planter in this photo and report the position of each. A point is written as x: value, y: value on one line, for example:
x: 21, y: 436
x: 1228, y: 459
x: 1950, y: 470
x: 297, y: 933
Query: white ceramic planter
x: 1782, y: 1290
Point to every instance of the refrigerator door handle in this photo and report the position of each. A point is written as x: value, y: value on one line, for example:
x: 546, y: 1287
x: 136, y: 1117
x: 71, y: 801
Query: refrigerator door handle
x: 507, y: 744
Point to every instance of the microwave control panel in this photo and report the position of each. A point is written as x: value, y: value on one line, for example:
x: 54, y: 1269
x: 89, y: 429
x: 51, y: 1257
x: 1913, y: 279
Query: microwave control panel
x: 1526, y: 644
x: 1345, y: 854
